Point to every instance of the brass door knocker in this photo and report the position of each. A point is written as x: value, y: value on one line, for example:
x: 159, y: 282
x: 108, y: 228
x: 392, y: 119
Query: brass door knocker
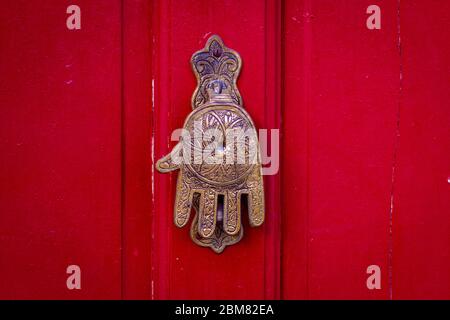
x: 218, y: 154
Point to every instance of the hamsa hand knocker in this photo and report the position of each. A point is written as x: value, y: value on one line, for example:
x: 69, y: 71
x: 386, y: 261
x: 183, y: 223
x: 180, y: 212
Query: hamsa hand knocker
x: 218, y: 154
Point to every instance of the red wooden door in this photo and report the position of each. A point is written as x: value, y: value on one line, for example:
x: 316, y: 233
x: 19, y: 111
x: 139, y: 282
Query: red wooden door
x: 364, y: 149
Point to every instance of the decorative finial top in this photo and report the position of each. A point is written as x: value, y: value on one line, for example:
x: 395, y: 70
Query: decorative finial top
x: 216, y: 68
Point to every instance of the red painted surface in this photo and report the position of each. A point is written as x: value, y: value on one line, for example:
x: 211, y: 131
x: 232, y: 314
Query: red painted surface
x: 364, y: 132
x: 137, y: 208
x: 421, y: 223
x: 340, y: 114
x: 60, y: 146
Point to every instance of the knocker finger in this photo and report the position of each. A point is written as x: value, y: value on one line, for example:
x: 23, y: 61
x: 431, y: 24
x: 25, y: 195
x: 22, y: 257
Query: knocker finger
x: 207, y: 213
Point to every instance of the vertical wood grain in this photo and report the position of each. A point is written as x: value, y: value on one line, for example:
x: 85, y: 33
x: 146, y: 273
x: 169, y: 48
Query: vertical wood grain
x: 421, y: 224
x: 60, y: 147
x: 137, y: 165
x: 339, y: 125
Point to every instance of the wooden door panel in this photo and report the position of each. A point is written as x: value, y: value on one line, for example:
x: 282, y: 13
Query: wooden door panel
x: 339, y: 126
x: 137, y: 155
x: 60, y: 150
x: 421, y: 224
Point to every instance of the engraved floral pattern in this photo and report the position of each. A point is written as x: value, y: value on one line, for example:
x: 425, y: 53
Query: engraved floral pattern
x: 217, y: 105
x: 216, y: 62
